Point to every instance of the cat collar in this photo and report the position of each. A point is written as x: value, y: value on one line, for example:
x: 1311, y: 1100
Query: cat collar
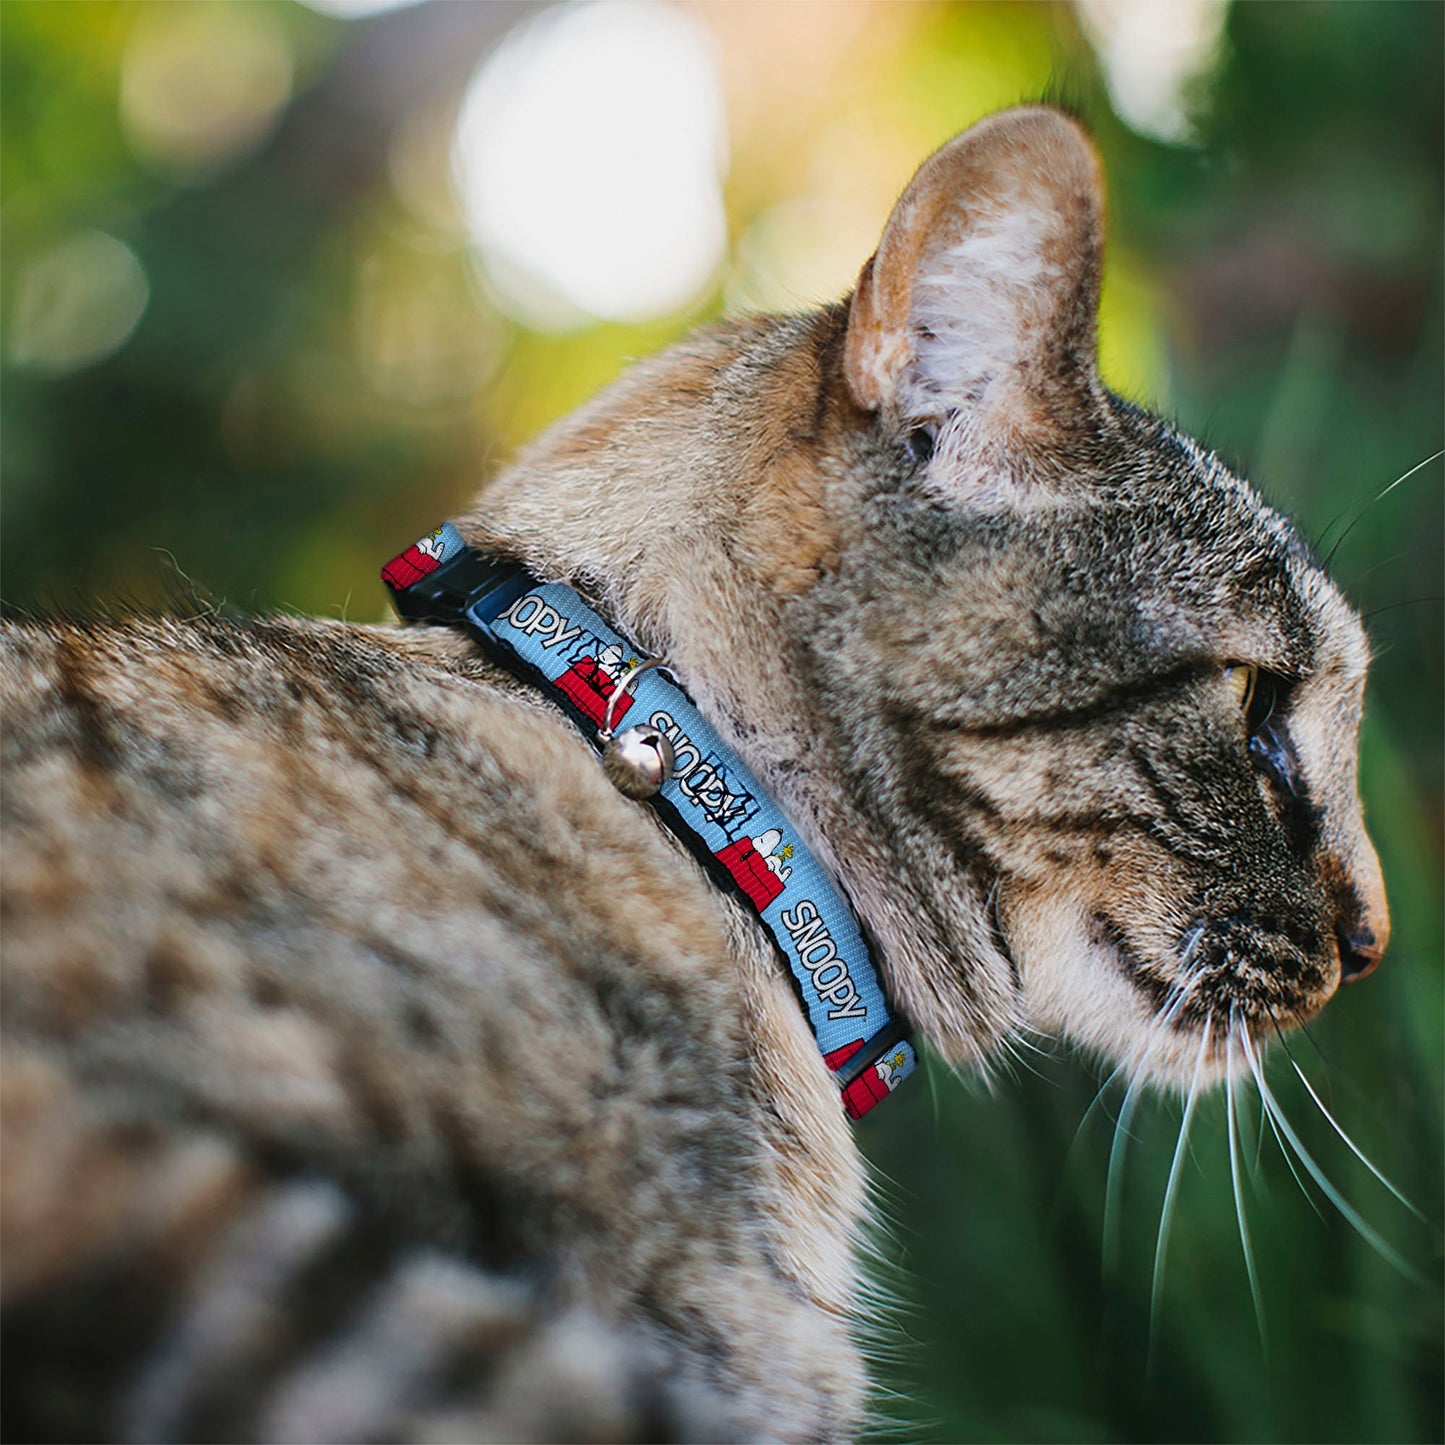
x: 544, y: 633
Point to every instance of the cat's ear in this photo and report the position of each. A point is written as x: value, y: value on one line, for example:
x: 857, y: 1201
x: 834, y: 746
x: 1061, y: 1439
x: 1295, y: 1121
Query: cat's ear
x: 983, y: 294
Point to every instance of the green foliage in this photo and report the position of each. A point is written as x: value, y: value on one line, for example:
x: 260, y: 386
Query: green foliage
x: 317, y: 377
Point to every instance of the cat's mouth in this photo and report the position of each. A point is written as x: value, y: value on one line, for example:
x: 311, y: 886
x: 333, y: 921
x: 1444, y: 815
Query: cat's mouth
x: 1227, y: 973
x: 1172, y: 1008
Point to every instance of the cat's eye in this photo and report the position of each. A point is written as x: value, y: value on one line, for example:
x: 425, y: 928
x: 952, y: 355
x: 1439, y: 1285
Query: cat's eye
x: 1242, y: 679
x: 1255, y: 692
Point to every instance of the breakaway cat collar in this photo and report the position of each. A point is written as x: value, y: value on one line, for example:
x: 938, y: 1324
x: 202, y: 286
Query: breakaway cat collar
x: 547, y: 635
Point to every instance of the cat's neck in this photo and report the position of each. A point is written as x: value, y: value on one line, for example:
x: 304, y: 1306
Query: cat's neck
x: 688, y: 460
x: 687, y: 503
x: 700, y: 504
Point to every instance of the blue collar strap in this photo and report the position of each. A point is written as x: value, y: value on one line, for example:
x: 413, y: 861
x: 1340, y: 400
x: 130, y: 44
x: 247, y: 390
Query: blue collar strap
x: 544, y: 633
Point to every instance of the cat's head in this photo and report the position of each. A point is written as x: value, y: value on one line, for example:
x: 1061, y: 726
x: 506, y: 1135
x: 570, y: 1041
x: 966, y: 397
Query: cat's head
x: 1099, y: 698
x: 1068, y: 710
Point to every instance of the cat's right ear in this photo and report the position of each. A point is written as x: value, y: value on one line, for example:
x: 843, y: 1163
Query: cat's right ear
x: 982, y: 297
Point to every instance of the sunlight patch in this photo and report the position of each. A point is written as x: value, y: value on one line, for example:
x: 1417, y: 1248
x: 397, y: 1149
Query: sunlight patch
x: 1154, y: 55
x: 588, y: 158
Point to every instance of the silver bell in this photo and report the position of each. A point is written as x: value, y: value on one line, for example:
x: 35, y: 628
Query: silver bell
x: 638, y: 761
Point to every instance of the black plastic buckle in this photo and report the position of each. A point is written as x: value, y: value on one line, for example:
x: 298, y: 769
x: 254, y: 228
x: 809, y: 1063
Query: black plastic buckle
x: 896, y: 1031
x: 442, y: 596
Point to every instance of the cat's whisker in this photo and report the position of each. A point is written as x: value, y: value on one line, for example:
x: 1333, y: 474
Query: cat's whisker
x: 1374, y: 501
x: 1011, y: 1045
x: 1259, y: 1132
x: 1022, y: 1040
x: 1123, y: 1127
x: 931, y: 1076
x: 1196, y: 936
x: 1266, y: 1114
x: 1267, y: 1122
x: 1171, y: 1188
x: 1266, y: 1118
x: 1089, y: 1112
x: 1162, y: 1024
x: 1168, y: 1012
x: 1174, y: 1001
x: 1352, y: 1215
x: 1403, y: 602
x: 1309, y: 1033
x: 1114, y: 1182
x: 1410, y: 553
x: 1338, y: 1128
x: 1251, y: 1130
x: 1231, y: 1102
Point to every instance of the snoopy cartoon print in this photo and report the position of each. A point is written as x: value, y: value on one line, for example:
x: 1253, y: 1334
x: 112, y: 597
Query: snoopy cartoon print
x: 609, y: 661
x: 769, y: 848
x: 889, y: 1069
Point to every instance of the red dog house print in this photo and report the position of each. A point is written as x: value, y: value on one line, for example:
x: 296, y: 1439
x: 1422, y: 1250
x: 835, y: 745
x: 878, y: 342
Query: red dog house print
x: 863, y: 1093
x: 422, y: 558
x: 866, y: 1090
x: 588, y: 684
x: 839, y: 1057
x: 751, y: 872
x: 409, y: 568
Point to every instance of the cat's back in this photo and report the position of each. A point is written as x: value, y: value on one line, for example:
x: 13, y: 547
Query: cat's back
x: 301, y: 906
x: 212, y: 766
x: 260, y: 777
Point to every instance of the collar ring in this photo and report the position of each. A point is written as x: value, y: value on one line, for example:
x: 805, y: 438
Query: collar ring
x: 625, y: 686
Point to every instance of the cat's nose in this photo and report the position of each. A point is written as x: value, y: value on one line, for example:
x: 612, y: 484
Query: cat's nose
x: 1363, y: 927
x: 1360, y: 952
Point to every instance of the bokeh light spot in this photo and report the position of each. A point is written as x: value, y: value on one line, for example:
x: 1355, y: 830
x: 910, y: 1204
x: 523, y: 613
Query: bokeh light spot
x: 76, y: 303
x: 588, y: 160
x: 1153, y: 53
x: 357, y: 9
x: 202, y: 84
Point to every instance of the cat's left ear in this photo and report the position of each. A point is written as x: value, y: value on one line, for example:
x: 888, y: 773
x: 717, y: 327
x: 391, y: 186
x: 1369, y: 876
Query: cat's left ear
x: 983, y: 295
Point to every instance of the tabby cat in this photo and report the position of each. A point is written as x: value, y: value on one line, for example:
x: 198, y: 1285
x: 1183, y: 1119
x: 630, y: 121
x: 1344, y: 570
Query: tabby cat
x: 375, y: 1070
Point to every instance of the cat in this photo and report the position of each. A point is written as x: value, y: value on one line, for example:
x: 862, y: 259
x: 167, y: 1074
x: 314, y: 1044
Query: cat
x: 375, y: 1069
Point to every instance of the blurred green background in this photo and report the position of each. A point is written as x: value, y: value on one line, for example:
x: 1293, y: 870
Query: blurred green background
x: 282, y: 286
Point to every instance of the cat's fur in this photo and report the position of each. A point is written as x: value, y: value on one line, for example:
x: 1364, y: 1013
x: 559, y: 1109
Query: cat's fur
x: 374, y: 1070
